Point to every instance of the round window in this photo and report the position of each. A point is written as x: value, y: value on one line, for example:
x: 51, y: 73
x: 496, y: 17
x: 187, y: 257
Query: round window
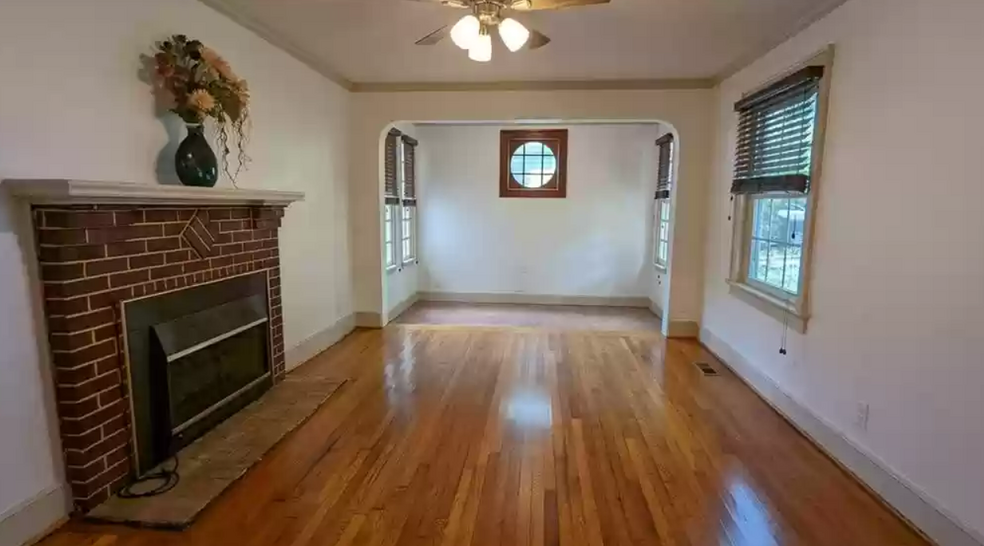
x: 533, y: 165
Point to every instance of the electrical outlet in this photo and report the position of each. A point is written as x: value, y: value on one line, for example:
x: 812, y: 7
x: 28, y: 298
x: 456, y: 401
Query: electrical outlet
x: 861, y: 419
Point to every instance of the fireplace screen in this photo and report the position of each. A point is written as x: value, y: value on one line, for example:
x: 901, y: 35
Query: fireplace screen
x: 195, y: 357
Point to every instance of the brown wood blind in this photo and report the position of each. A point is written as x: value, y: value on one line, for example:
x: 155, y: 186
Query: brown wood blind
x: 390, y: 160
x: 775, y: 135
x: 409, y: 171
x: 664, y: 146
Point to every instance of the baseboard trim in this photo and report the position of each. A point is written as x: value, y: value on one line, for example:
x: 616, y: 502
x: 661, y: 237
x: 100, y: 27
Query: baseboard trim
x: 898, y: 493
x: 401, y: 307
x: 32, y: 520
x: 368, y: 320
x: 535, y: 299
x: 655, y: 309
x: 315, y: 344
x: 683, y: 329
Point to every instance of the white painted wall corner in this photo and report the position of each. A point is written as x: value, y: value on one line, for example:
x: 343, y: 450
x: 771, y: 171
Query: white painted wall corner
x: 401, y: 307
x: 319, y: 342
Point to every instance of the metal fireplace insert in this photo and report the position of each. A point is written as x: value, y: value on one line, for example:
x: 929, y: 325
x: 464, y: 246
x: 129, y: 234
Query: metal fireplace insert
x: 194, y: 358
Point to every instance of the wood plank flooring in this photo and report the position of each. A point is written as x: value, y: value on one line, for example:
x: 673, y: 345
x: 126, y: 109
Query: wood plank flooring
x: 448, y: 435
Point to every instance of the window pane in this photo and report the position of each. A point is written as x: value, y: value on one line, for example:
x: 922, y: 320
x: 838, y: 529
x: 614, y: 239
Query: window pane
x: 758, y: 259
x: 794, y: 259
x: 534, y: 164
x: 797, y: 220
x: 760, y: 218
x: 533, y: 148
x: 778, y: 222
x: 777, y: 261
x: 516, y: 165
x: 550, y: 164
x: 664, y: 251
x: 531, y: 180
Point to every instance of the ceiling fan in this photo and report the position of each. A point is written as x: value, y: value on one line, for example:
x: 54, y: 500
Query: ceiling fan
x: 474, y: 31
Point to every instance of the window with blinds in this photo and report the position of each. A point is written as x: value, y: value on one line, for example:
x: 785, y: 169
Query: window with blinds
x: 664, y: 147
x: 409, y: 190
x: 776, y: 131
x: 390, y: 160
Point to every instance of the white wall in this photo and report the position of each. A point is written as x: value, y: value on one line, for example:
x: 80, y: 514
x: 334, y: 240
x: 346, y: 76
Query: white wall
x: 688, y: 112
x: 72, y: 105
x: 898, y: 279
x: 403, y: 283
x: 596, y: 242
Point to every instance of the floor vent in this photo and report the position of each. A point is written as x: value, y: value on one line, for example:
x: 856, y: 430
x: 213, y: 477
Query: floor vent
x: 705, y: 368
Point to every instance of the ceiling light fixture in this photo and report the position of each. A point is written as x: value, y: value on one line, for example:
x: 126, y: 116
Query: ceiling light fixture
x: 513, y: 34
x: 465, y: 32
x: 481, y: 49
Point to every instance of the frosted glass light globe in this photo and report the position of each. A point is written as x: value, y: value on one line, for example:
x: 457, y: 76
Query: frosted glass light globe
x: 465, y: 32
x: 481, y: 50
x: 513, y: 34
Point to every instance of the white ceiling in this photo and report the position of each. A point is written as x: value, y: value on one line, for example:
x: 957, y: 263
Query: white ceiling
x: 373, y: 40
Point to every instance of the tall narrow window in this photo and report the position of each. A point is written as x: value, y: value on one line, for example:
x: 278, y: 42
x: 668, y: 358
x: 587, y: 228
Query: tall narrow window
x: 389, y: 236
x: 776, y: 167
x: 664, y: 185
x: 661, y: 251
x: 391, y: 197
x: 408, y: 194
x: 407, y: 232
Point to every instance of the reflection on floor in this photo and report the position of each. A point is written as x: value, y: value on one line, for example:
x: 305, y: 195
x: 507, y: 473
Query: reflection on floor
x: 552, y: 317
x: 462, y: 435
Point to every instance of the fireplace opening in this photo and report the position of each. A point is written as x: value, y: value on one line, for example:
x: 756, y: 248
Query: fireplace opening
x: 195, y: 357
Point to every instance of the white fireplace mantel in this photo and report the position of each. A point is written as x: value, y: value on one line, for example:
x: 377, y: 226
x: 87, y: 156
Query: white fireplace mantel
x: 85, y: 192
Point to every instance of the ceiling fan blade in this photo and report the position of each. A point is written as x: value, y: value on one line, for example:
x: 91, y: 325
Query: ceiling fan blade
x: 537, y: 40
x: 449, y: 3
x: 536, y: 5
x: 435, y: 36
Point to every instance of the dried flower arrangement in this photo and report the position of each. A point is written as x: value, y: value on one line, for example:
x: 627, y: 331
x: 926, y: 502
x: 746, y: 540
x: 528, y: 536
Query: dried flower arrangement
x: 197, y: 84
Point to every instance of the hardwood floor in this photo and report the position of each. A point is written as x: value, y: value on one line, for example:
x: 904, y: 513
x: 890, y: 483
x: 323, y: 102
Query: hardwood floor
x: 517, y: 436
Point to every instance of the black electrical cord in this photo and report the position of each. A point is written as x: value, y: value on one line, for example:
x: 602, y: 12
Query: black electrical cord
x: 169, y: 479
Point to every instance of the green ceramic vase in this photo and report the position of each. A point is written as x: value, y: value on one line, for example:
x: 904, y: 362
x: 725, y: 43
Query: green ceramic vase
x: 195, y: 161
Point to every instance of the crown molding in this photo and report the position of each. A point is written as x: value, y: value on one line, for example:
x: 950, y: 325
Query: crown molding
x: 544, y: 85
x: 279, y: 41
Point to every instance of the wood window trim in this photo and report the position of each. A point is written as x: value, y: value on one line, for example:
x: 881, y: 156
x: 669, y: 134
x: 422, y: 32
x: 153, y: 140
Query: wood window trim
x: 793, y: 311
x: 510, y: 141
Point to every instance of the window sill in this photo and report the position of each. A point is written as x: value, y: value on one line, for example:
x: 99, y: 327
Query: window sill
x: 391, y: 269
x: 782, y: 311
x: 659, y: 268
x: 408, y: 263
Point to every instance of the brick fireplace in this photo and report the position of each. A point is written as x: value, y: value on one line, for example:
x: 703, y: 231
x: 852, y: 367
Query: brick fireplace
x: 92, y: 257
